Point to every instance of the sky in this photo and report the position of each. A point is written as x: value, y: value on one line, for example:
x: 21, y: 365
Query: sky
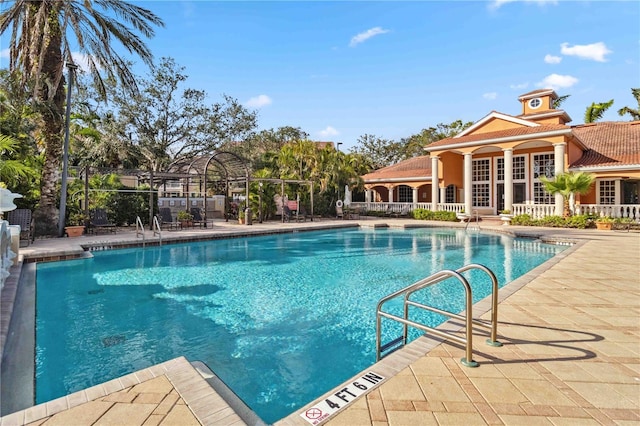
x: 339, y: 70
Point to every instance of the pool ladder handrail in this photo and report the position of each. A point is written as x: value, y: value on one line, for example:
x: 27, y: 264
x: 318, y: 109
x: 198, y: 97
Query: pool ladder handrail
x: 157, y: 230
x: 475, y: 212
x: 140, y: 229
x: 468, y: 317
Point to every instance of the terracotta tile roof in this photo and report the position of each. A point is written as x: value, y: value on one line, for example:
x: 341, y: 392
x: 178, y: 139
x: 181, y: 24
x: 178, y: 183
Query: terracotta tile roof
x: 609, y: 143
x: 413, y: 167
x: 518, y: 131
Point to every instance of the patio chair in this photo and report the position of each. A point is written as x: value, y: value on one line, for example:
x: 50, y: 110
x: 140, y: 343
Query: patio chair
x: 24, y: 218
x: 197, y: 217
x: 302, y: 214
x: 402, y: 213
x: 99, y: 221
x: 166, y: 220
x: 286, y: 213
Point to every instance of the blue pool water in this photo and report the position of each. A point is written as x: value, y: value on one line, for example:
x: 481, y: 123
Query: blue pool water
x: 281, y: 319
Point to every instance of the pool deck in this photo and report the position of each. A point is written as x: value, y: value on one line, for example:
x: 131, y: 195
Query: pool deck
x: 571, y: 354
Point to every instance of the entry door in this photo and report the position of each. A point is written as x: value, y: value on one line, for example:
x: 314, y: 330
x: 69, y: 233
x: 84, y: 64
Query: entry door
x: 519, y: 194
x: 500, y: 195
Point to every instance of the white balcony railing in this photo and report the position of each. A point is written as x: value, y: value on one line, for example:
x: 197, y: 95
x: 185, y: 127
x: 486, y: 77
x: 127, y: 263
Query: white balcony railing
x: 627, y: 211
x: 536, y: 211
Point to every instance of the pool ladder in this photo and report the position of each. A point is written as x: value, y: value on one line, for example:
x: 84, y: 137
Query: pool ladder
x: 467, y: 341
x: 156, y: 230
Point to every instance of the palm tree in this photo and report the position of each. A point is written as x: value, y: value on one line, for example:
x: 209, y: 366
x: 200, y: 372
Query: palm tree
x: 568, y: 184
x: 634, y: 113
x: 558, y: 102
x: 595, y: 111
x: 12, y: 170
x: 40, y: 46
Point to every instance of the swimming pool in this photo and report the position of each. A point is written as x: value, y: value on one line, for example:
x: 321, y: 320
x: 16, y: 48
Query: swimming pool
x: 281, y: 319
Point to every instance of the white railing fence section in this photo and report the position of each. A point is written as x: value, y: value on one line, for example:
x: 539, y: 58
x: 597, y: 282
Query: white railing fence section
x: 627, y: 211
x: 536, y: 211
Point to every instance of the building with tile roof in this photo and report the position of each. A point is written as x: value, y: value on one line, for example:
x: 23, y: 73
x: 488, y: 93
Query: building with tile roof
x: 496, y: 164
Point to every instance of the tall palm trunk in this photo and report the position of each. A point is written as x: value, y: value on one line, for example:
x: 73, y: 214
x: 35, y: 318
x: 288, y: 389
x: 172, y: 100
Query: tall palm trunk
x: 50, y: 102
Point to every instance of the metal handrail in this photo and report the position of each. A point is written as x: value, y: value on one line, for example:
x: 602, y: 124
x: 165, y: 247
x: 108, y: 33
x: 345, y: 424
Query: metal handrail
x: 140, y: 229
x: 156, y: 229
x: 468, y: 317
x: 475, y: 212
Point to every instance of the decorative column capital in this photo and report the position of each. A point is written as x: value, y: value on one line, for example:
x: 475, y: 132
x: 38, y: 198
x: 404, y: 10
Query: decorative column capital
x: 507, y: 149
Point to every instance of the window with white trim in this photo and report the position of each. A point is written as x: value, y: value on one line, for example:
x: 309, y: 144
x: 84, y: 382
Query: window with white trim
x: 607, y: 193
x: 481, y: 185
x: 543, y: 165
x: 450, y: 194
x: 405, y: 194
x: 518, y: 165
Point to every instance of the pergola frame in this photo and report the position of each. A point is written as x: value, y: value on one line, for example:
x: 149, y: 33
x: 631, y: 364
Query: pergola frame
x: 231, y: 168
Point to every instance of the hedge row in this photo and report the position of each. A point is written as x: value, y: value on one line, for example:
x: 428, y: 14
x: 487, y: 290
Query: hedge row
x: 578, y: 221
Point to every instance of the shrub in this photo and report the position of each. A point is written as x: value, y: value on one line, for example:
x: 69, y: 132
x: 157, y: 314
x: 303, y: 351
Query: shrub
x: 445, y: 216
x: 424, y: 214
x: 579, y: 221
x: 522, y: 220
x: 552, y: 221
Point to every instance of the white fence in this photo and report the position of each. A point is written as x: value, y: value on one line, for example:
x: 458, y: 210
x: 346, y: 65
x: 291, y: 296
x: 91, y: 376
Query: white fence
x: 629, y: 211
x: 536, y: 211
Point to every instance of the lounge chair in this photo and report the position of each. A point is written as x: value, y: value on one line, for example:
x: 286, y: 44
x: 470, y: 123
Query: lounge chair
x: 197, y: 217
x: 166, y: 220
x: 99, y: 221
x: 402, y: 213
x: 302, y: 214
x: 286, y: 213
x: 24, y: 218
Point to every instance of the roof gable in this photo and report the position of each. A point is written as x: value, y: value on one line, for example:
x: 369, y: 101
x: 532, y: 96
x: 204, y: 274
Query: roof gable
x: 489, y: 123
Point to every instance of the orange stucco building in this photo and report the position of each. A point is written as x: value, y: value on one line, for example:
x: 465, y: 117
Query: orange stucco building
x: 496, y: 165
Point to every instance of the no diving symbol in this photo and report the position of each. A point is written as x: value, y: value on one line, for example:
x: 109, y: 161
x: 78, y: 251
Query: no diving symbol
x: 313, y: 413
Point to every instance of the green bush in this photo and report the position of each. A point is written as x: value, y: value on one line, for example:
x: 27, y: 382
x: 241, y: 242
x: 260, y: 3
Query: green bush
x: 424, y: 214
x: 522, y: 220
x: 578, y: 221
x: 445, y: 216
x: 552, y: 221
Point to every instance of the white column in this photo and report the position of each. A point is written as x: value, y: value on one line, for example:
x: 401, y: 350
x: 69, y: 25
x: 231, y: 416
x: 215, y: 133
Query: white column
x: 434, y: 183
x: 391, y: 193
x: 558, y: 159
x: 508, y: 179
x: 443, y: 194
x: 468, y: 176
x: 367, y: 196
x: 414, y: 195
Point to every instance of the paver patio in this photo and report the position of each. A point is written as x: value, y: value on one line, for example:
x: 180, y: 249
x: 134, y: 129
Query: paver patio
x: 571, y: 355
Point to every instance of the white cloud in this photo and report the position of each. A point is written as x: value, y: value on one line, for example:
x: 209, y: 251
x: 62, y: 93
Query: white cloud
x: 519, y: 86
x: 594, y: 51
x: 357, y: 39
x: 4, y: 53
x: 82, y: 61
x: 259, y: 101
x: 496, y: 4
x: 491, y: 95
x: 328, y: 131
x: 556, y: 81
x: 550, y: 59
